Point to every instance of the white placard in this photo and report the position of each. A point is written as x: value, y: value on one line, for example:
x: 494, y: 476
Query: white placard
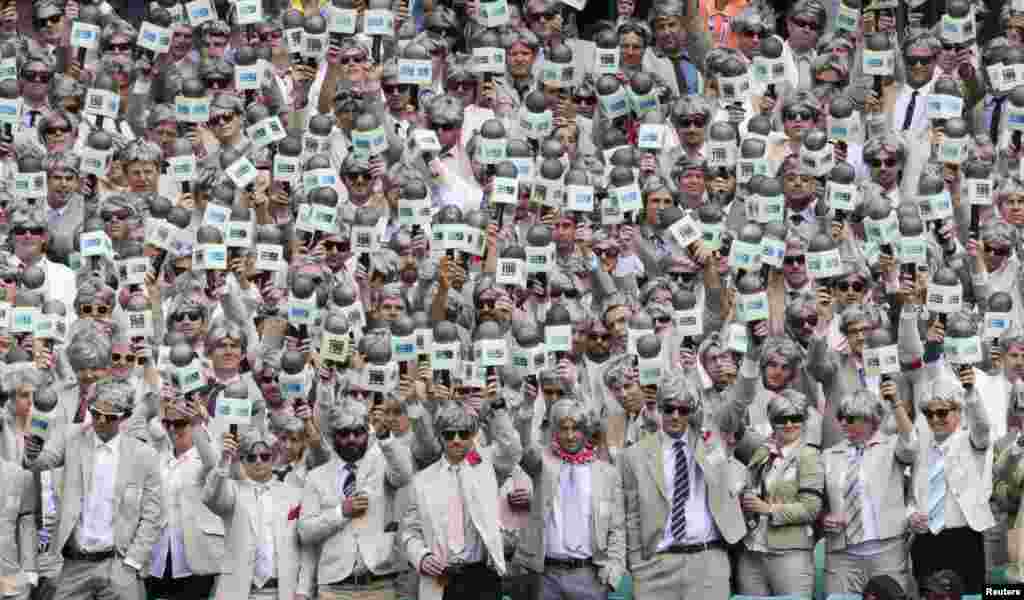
x: 23, y: 319
x: 737, y: 338
x: 379, y: 22
x: 774, y: 251
x: 558, y: 338
x: 414, y: 212
x: 505, y: 191
x: 878, y: 62
x: 50, y: 327
x: 606, y: 61
x: 953, y: 150
x: 364, y: 239
x: 650, y: 370
x: 540, y: 259
x: 770, y: 209
x: 491, y: 151
x: 212, y: 257
x: 189, y: 378
x: 140, y: 324
x: 633, y: 336
x: 415, y: 71
x: 490, y: 353
x: 334, y: 347
x: 85, y: 35
x: 769, y: 70
x: 721, y: 154
x: 239, y: 234
x: 751, y: 308
x: 159, y: 233
x: 912, y: 250
x: 996, y: 323
x: 302, y: 311
x: 269, y: 257
x: 746, y: 168
x: 962, y: 350
x: 424, y: 341
x: 182, y: 169
x: 445, y: 356
x: 10, y: 111
x: 844, y: 130
x: 314, y: 46
x: 95, y: 162
x: 817, y: 163
x: 241, y: 172
x: 847, y: 19
x: 102, y: 103
x: 293, y: 387
x: 615, y: 105
x: 369, y: 143
x: 531, y: 361
x: 958, y: 30
x: 882, y: 232
x: 822, y: 265
x: 685, y: 231
x: 629, y: 197
x: 8, y: 69
x: 943, y: 106
x: 199, y: 12
x: 641, y: 104
x: 232, y: 411
x: 133, y: 270
x: 30, y: 185
x: 936, y: 207
x: 425, y: 140
x: 978, y: 191
x: 842, y: 196
x: 154, y: 38
x: 745, y: 255
x: 884, y: 360
x: 651, y: 136
x: 689, y: 323
x: 314, y: 179
x: 341, y: 20
x: 248, y: 77
x: 536, y: 125
x: 95, y: 243
x: 734, y: 89
x: 192, y: 110
x: 494, y: 14
x: 39, y: 424
x: 1014, y: 118
x: 316, y: 144
x: 945, y: 299
x: 489, y: 60
x: 267, y: 131
x: 559, y: 75
x: 511, y: 271
x: 216, y: 215
x: 403, y: 348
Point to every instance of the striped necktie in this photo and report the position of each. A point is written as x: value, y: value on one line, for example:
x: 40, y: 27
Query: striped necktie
x: 936, y: 491
x: 350, y: 481
x: 681, y: 493
x: 853, y: 500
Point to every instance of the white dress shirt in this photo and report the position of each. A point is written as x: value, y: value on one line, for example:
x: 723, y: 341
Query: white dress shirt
x: 700, y: 524
x: 95, y: 532
x: 899, y: 112
x: 171, y: 544
x: 473, y: 551
x: 567, y: 526
x: 265, y: 559
x: 953, y: 517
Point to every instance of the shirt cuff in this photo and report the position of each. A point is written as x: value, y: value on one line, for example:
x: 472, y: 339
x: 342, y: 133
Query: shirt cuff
x: 32, y: 577
x: 131, y: 563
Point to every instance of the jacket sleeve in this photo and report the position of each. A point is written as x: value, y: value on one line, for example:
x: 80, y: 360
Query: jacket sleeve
x: 616, y: 566
x: 809, y: 498
x: 411, y: 534
x: 52, y: 456
x: 315, y: 524
x: 28, y: 532
x: 399, y: 460
x: 631, y: 512
x: 220, y: 492
x: 151, y: 513
x: 821, y: 362
x: 508, y: 449
x: 425, y: 446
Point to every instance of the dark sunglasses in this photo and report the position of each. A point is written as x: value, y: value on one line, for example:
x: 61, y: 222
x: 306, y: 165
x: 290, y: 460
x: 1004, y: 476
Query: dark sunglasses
x: 696, y: 121
x: 799, y: 115
x: 118, y: 357
x: 358, y: 175
x: 548, y: 14
x: 218, y: 83
x: 117, y: 216
x: 918, y: 60
x: 1003, y: 251
x: 787, y: 419
x: 447, y: 127
x: 350, y: 432
x: 889, y: 162
x: 122, y: 48
x: 99, y: 309
x: 9, y: 279
x: 263, y: 457
x: 805, y: 24
x: 601, y: 337
x: 351, y: 60
x: 221, y: 120
x: 811, y: 321
x: 487, y: 304
x: 663, y: 320
x: 683, y: 277
x: 940, y: 413
x: 558, y: 293
x: 101, y: 417
x: 170, y: 425
x: 758, y: 31
x: 844, y: 286
x: 609, y: 252
x: 337, y: 246
x: 586, y: 100
x: 463, y: 434
x: 391, y: 89
x: 35, y: 231
x: 851, y: 419
x: 682, y: 411
x: 794, y: 260
x: 191, y: 315
x: 51, y: 20
x: 465, y: 85
x: 63, y: 129
x: 271, y: 35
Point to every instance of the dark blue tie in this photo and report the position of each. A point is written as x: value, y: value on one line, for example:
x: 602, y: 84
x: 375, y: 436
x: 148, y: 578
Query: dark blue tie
x: 681, y: 493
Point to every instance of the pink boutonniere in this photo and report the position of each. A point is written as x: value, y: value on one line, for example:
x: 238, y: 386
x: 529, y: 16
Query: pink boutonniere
x: 707, y: 436
x: 294, y: 513
x: 473, y: 458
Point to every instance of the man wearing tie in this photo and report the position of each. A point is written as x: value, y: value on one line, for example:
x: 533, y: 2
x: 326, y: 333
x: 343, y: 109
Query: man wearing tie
x: 952, y: 482
x: 264, y: 559
x: 920, y: 55
x: 450, y: 530
x: 111, y: 501
x: 348, y: 509
x: 682, y: 505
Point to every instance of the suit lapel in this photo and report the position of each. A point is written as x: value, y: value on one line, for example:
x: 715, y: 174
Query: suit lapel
x: 656, y: 461
x: 123, y: 462
x: 596, y: 486
x: 87, y: 439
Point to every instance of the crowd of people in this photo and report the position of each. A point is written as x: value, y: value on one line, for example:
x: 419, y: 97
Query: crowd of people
x: 478, y: 300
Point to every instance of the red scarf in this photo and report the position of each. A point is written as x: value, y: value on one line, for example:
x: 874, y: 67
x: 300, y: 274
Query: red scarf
x: 584, y: 456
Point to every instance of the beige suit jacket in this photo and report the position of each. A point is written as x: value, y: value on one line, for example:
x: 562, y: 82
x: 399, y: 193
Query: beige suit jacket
x: 648, y: 504
x: 236, y: 503
x: 19, y: 503
x: 138, y: 510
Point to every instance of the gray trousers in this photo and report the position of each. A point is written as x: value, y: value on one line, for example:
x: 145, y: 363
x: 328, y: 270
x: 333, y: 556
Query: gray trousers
x: 105, y: 580
x: 783, y: 574
x: 666, y: 576
x: 996, y: 542
x: 847, y: 573
x: 557, y: 583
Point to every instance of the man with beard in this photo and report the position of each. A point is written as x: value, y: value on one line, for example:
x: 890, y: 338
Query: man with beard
x: 573, y: 550
x: 65, y: 205
x: 348, y: 507
x: 450, y: 531
x: 260, y: 514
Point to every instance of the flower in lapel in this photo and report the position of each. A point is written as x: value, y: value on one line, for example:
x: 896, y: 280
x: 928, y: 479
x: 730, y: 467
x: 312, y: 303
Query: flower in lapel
x: 473, y: 458
x: 707, y: 436
x: 294, y: 513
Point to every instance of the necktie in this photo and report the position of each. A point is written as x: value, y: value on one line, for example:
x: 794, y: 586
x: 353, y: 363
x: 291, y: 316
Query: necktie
x: 83, y: 405
x: 936, y: 491
x: 796, y: 219
x: 32, y: 116
x: 681, y: 493
x: 350, y: 480
x: 281, y: 474
x: 853, y: 501
x: 908, y: 119
x: 803, y: 64
x: 997, y: 117
x: 456, y: 518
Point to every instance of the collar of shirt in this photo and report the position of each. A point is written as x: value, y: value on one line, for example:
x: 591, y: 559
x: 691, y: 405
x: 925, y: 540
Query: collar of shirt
x: 924, y: 90
x: 189, y: 455
x: 98, y: 443
x: 669, y: 443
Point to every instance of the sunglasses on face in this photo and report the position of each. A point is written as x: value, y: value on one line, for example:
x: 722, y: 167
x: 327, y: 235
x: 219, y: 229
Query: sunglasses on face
x: 1003, y: 251
x: 447, y: 127
x: 558, y: 293
x: 271, y: 35
x: 804, y: 23
x: 888, y: 163
x: 51, y: 20
x: 116, y: 216
x: 351, y: 60
x: 118, y: 357
x: 61, y: 129
x: 550, y: 14
x: 337, y: 246
x: 122, y: 48
x: 359, y: 176
x: 811, y: 322
x: 799, y: 115
x: 263, y: 457
x: 682, y: 411
x: 487, y: 304
x: 755, y: 31
x: 844, y: 286
x: 663, y: 320
x: 696, y: 122
x: 36, y: 76
x: 462, y: 434
x: 601, y: 337
x: 9, y: 279
x: 585, y: 100
x: 851, y: 419
x: 100, y: 417
x: 467, y: 85
x: 101, y: 310
x: 919, y: 60
x: 222, y: 120
x: 782, y: 420
x: 391, y: 89
x: 170, y: 425
x: 794, y: 260
x: 682, y: 277
x: 939, y: 413
x: 191, y: 315
x: 351, y: 432
x: 609, y: 252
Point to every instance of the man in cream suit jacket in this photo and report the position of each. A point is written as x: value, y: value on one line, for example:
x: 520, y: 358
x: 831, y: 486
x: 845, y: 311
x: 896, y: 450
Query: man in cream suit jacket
x: 348, y: 507
x: 682, y: 505
x: 261, y: 518
x: 450, y: 530
x: 19, y: 504
x: 111, y: 500
x: 572, y: 490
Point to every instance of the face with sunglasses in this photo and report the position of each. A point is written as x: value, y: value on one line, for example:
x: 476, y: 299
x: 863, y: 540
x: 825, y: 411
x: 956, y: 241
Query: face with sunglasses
x: 943, y: 417
x: 457, y: 443
x: 98, y: 311
x: 788, y: 428
x: 851, y: 290
x: 51, y: 28
x: 226, y: 126
x: 122, y: 360
x: 397, y: 95
x: 996, y: 254
x: 35, y: 81
x: 803, y: 32
x: 258, y: 463
x: 690, y: 129
x: 798, y: 119
x: 357, y: 180
x: 188, y: 321
x: 885, y: 169
x: 794, y: 269
x: 544, y: 18
x: 748, y: 41
x: 675, y: 416
x: 351, y: 442
x: 803, y: 324
x: 858, y: 429
x: 921, y: 63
